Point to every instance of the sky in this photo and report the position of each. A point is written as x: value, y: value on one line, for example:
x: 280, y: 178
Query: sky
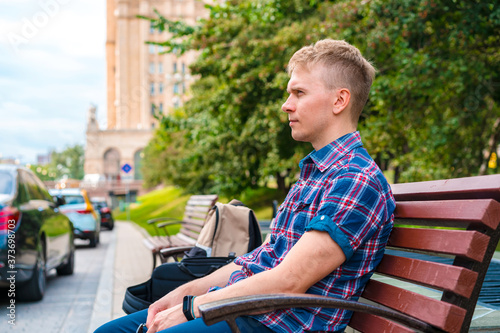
x: 52, y: 69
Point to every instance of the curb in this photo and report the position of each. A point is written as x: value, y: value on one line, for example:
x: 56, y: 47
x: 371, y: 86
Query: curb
x: 103, y: 303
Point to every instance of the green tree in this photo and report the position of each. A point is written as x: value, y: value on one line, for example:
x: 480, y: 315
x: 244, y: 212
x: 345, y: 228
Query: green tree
x: 67, y: 163
x: 433, y: 110
x: 233, y: 132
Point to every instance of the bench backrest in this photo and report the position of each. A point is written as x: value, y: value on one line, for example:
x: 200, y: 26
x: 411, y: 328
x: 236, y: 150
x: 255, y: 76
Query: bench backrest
x: 195, y: 214
x: 467, y: 210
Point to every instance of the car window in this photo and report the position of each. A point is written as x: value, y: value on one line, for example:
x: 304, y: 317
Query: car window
x: 42, y: 189
x: 6, y: 183
x: 22, y: 192
x: 74, y: 199
x: 34, y: 192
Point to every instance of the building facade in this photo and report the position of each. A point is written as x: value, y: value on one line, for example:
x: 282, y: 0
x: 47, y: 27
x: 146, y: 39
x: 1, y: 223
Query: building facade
x: 140, y: 83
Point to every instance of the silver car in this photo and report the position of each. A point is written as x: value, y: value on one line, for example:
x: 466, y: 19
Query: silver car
x: 80, y: 211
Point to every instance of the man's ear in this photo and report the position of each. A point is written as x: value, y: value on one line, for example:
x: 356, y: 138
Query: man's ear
x: 341, y: 100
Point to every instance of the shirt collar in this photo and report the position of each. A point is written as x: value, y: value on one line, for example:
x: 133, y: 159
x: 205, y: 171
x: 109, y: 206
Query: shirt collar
x: 334, y: 151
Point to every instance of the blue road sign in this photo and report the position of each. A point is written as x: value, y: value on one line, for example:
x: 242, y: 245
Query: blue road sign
x: 126, y: 168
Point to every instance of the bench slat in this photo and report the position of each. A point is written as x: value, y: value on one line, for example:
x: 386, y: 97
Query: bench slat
x: 212, y: 197
x: 441, y: 276
x: 185, y: 240
x: 365, y: 322
x: 479, y: 187
x: 482, y: 211
x: 468, y: 244
x: 198, y: 215
x: 443, y: 315
x: 196, y: 209
x: 197, y: 222
x: 200, y: 202
x: 188, y: 233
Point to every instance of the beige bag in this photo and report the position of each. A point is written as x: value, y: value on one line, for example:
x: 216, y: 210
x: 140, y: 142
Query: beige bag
x: 229, y: 228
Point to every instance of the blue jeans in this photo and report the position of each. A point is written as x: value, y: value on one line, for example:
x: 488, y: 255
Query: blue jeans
x: 130, y: 323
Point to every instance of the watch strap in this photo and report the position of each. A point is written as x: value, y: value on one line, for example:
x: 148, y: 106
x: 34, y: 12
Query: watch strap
x: 187, y: 307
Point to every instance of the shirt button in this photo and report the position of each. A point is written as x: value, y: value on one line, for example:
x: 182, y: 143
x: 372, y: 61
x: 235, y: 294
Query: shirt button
x: 250, y: 256
x: 322, y: 218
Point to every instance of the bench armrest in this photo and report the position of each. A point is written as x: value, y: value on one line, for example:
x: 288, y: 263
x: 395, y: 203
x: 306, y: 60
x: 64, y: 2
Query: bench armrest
x: 162, y: 219
x: 173, y: 252
x: 155, y: 221
x: 232, y: 308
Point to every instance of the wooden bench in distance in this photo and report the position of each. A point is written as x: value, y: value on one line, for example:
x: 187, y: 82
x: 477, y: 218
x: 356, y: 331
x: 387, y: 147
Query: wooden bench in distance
x: 195, y: 213
x: 467, y: 210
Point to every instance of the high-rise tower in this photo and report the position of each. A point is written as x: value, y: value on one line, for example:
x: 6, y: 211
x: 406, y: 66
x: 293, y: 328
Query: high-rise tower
x: 140, y: 82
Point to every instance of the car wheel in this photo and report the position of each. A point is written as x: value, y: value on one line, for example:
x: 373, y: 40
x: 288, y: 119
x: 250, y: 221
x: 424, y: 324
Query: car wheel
x: 34, y: 289
x: 111, y: 225
x: 94, y: 240
x: 69, y: 266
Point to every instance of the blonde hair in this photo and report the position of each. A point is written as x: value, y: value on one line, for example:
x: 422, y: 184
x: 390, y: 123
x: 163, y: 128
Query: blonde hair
x: 344, y: 66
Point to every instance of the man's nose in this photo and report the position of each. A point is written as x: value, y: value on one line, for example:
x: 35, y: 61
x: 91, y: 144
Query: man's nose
x: 287, y: 106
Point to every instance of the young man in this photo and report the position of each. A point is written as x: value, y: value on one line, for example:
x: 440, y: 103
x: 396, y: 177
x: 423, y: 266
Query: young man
x: 332, y: 228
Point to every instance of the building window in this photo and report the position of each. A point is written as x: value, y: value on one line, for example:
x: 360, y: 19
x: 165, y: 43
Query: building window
x: 175, y: 67
x: 161, y: 107
x: 152, y: 49
x: 152, y: 89
x: 160, y: 88
x: 183, y: 68
x: 160, y: 68
x: 151, y: 67
x: 176, y: 88
x: 153, y: 109
x: 151, y: 28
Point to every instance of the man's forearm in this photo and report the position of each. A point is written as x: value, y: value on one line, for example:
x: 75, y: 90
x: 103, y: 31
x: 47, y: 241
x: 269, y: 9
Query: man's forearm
x: 313, y: 257
x: 218, y: 278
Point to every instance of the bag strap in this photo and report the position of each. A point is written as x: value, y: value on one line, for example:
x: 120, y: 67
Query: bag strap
x: 186, y: 270
x: 212, y: 268
x: 217, y: 216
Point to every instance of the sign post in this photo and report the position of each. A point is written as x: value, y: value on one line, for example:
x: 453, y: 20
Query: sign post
x: 127, y: 168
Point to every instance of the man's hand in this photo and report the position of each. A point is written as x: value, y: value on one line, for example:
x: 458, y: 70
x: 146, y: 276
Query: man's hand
x: 168, y: 301
x: 195, y: 287
x: 165, y: 319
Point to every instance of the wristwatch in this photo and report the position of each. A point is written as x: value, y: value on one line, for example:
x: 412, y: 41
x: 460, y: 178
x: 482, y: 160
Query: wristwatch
x: 187, y: 307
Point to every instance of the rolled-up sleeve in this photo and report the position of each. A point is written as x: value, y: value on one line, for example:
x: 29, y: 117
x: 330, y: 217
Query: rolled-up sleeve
x: 351, y: 211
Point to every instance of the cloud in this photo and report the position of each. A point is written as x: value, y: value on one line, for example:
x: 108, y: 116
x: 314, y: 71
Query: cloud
x: 51, y: 69
x: 26, y: 132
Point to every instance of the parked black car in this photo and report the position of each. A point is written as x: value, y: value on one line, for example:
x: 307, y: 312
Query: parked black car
x: 106, y: 215
x: 34, y: 236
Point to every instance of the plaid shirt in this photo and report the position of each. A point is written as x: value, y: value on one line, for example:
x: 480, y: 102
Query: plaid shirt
x: 343, y: 192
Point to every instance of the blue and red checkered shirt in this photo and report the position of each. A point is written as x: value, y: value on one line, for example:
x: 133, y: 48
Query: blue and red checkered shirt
x: 343, y: 192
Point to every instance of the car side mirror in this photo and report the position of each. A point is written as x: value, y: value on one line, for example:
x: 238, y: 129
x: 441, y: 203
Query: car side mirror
x: 59, y: 200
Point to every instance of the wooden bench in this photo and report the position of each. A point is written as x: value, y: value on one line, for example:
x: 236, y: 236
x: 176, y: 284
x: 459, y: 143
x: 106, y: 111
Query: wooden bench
x: 467, y: 210
x: 195, y: 213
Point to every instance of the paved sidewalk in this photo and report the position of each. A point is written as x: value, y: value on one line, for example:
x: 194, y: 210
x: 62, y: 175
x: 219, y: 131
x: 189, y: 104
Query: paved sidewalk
x: 127, y: 263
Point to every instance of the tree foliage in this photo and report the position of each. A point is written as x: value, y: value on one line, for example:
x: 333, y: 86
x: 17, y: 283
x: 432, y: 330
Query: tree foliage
x: 65, y: 164
x: 433, y: 110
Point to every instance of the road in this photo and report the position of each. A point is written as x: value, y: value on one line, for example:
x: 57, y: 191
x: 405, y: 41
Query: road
x: 69, y: 300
